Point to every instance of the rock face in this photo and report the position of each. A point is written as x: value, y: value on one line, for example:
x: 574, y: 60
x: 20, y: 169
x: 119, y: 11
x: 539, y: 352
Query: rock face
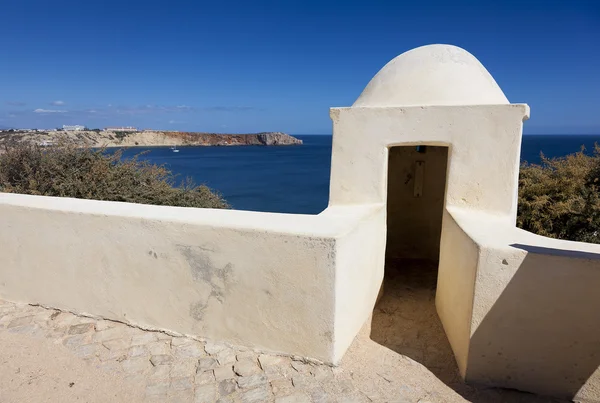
x: 150, y: 138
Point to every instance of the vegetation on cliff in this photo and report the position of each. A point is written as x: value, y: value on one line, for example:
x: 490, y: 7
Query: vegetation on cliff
x: 68, y: 171
x: 560, y: 198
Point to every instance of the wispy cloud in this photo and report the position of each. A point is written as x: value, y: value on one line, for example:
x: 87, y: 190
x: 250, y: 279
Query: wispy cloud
x: 15, y: 103
x: 48, y: 111
x: 155, y: 109
x: 57, y: 103
x: 230, y: 108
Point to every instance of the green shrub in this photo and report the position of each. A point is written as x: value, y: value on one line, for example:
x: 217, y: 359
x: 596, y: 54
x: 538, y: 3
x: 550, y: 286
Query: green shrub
x: 68, y: 171
x: 122, y: 135
x: 560, y: 197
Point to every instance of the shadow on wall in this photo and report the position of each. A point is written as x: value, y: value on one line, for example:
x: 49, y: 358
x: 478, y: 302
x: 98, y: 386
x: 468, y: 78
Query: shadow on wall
x: 543, y: 332
x: 405, y: 320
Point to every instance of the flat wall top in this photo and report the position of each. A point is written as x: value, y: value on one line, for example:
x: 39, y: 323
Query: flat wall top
x: 432, y: 75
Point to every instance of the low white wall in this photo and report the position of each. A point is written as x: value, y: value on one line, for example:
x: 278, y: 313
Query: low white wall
x: 535, y: 323
x: 257, y: 279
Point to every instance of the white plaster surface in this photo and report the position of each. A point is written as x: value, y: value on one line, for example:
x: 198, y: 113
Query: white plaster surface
x: 432, y: 75
x: 160, y: 267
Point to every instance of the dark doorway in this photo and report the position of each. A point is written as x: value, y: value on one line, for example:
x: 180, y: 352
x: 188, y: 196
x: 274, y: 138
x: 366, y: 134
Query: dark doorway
x: 405, y: 319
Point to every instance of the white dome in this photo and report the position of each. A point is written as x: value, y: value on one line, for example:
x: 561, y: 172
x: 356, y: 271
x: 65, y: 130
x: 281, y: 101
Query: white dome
x: 432, y: 75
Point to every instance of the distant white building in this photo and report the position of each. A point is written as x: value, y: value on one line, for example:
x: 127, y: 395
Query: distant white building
x: 121, y: 129
x: 72, y: 128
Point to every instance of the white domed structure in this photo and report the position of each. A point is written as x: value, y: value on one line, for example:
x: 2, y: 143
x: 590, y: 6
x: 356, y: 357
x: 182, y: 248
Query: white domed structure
x: 432, y: 75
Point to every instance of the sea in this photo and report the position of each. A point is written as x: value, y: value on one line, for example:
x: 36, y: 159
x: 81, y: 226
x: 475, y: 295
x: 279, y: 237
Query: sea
x: 295, y: 179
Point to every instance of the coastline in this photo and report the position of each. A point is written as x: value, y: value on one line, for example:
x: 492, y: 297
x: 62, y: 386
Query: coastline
x: 146, y: 138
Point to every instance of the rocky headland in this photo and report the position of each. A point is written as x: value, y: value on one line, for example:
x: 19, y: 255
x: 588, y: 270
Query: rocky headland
x: 145, y: 138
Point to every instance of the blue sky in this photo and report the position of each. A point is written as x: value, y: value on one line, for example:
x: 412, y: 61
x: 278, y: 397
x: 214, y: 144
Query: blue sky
x: 247, y: 66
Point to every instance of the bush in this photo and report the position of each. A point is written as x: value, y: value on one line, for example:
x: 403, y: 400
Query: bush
x: 68, y: 171
x: 560, y: 197
x: 122, y: 135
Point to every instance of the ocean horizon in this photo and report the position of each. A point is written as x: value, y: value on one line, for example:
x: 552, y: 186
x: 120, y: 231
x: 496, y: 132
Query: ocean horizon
x: 295, y: 179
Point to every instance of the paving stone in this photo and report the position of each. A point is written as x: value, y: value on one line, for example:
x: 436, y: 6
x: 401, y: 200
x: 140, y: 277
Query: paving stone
x: 182, y: 383
x: 162, y: 359
x: 137, y: 351
x: 43, y: 317
x: 282, y: 386
x: 241, y: 355
x: 190, y: 350
x: 252, y: 381
x: 158, y: 389
x: 159, y: 347
x: 63, y: 319
x: 301, y: 381
x: 74, y: 341
x: 353, y: 398
x: 207, y: 363
x: 56, y: 332
x: 371, y: 391
x: 246, y: 367
x: 180, y: 341
x: 205, y: 394
x: 318, y: 395
x: 135, y: 365
x: 343, y: 386
x: 274, y: 372
x: 87, y: 350
x: 180, y: 396
x: 138, y: 378
x: 159, y: 373
x: 270, y: 360
x: 25, y: 320
x: 143, y: 338
x: 164, y: 336
x: 112, y: 367
x: 296, y: 397
x: 256, y: 395
x: 104, y: 325
x: 322, y: 373
x: 213, y: 348
x: 226, y: 356
x: 81, y: 320
x: 118, y: 332
x: 186, y: 368
x: 112, y: 355
x: 338, y: 371
x: 117, y: 344
x: 222, y: 373
x: 206, y: 377
x: 81, y: 328
x: 301, y: 367
x: 31, y: 330
x: 227, y: 387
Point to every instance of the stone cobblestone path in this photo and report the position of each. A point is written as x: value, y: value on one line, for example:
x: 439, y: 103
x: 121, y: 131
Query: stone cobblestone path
x: 181, y: 369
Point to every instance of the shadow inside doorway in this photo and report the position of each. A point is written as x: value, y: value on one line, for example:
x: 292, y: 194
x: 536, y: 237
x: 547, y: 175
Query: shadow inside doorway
x: 405, y: 319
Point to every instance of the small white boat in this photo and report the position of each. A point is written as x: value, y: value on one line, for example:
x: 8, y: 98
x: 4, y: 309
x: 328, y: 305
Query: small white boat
x: 174, y: 149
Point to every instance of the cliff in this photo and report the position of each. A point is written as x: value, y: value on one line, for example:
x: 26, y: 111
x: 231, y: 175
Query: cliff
x: 149, y: 138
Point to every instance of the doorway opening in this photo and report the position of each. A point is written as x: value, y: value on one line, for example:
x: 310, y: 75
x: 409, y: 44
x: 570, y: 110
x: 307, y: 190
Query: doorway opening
x: 405, y: 319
